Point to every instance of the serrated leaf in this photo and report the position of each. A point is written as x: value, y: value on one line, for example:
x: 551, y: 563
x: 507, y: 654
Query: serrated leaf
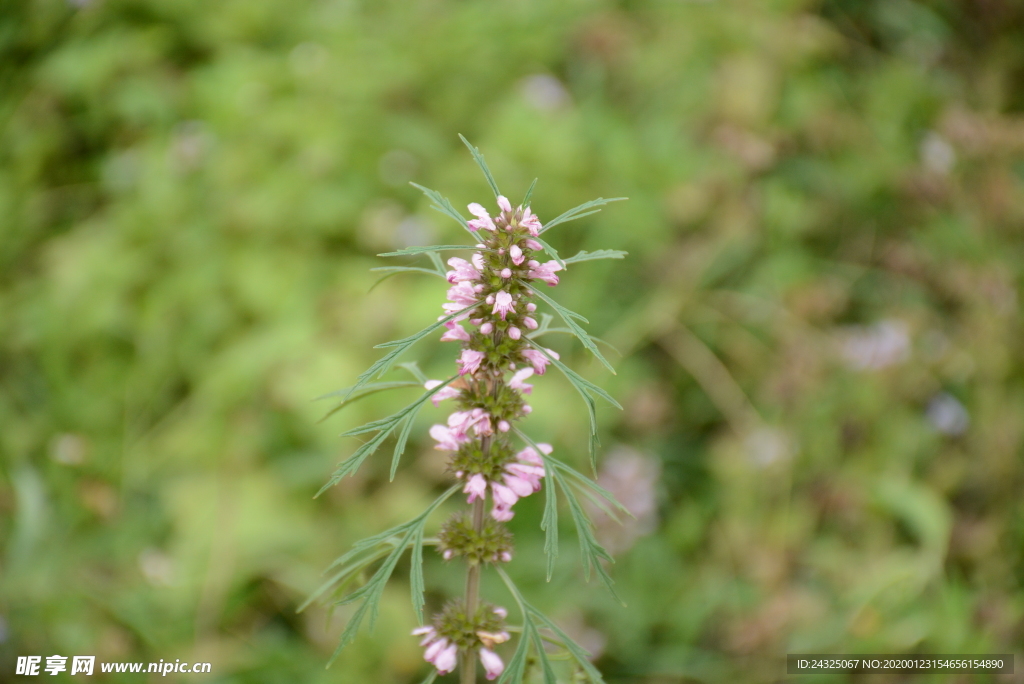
x: 479, y: 159
x: 584, y: 255
x: 403, y: 437
x: 441, y: 204
x: 400, y: 346
x: 550, y: 250
x: 580, y: 211
x: 566, y: 331
x: 340, y: 578
x: 568, y: 316
x: 585, y: 481
x: 410, y: 251
x: 592, y: 551
x: 383, y: 427
x: 529, y: 194
x: 578, y: 652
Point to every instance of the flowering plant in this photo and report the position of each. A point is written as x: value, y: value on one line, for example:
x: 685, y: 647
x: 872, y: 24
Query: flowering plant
x: 493, y: 292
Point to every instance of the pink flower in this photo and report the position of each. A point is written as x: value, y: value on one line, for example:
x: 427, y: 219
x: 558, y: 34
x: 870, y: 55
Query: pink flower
x: 476, y: 487
x: 502, y: 513
x: 517, y: 255
x: 483, y: 219
x: 492, y: 663
x: 514, y: 332
x: 545, y: 272
x: 528, y: 455
x: 445, y: 659
x: 506, y: 273
x: 504, y: 203
x: 470, y: 361
x: 530, y: 323
x: 538, y: 360
x: 447, y: 439
x: 441, y: 394
x: 462, y: 295
x: 463, y: 271
x: 530, y: 222
x: 487, y: 328
x: 517, y: 383
x: 518, y: 485
x: 504, y: 426
x: 455, y: 334
x: 478, y: 261
x: 534, y: 245
x: 503, y: 304
x: 503, y: 494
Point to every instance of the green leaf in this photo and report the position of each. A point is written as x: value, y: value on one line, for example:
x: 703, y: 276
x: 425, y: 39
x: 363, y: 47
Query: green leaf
x: 580, y: 211
x: 579, y: 332
x: 538, y: 645
x: 479, y: 159
x: 549, y: 523
x: 438, y: 264
x: 578, y: 652
x: 410, y: 251
x: 414, y: 368
x: 341, y: 577
x: 550, y: 250
x: 529, y: 194
x: 441, y: 204
x: 529, y: 613
x: 593, y: 552
x: 392, y: 270
x: 403, y: 437
x: 366, y: 391
x: 585, y: 481
x: 416, y: 575
x: 371, y: 592
x: 541, y: 330
x: 383, y: 427
x: 400, y: 346
x: 584, y: 255
x: 430, y: 677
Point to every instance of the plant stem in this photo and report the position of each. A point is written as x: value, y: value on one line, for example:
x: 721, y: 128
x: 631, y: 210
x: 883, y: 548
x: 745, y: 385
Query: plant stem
x: 468, y: 667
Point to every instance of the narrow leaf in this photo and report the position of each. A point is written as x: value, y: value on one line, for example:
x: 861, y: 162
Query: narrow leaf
x: 538, y: 645
x: 438, y: 264
x: 479, y: 159
x: 580, y: 211
x: 551, y: 250
x: 410, y: 251
x: 549, y: 523
x: 372, y: 388
x: 414, y: 368
x: 529, y: 193
x: 442, y: 205
x: 584, y: 255
x: 430, y: 677
x: 400, y: 346
x: 580, y: 333
x: 578, y: 652
x: 416, y: 575
x: 392, y: 270
x: 403, y: 437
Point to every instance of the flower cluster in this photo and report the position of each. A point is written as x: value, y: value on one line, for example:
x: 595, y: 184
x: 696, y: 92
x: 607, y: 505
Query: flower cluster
x: 454, y: 630
x: 490, y: 313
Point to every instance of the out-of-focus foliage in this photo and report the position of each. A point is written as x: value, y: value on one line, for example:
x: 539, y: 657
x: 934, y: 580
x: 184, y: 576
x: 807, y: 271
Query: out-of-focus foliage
x: 819, y: 318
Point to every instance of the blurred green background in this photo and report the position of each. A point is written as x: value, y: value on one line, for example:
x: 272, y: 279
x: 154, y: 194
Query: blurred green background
x: 818, y: 321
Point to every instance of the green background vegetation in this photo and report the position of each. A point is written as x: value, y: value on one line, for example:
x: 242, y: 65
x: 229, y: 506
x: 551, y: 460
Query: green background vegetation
x: 818, y: 321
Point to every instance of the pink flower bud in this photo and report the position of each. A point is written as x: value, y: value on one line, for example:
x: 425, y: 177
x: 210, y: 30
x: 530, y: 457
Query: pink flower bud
x: 514, y: 332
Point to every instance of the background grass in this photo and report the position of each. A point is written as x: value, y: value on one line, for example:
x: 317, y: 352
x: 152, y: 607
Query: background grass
x: 818, y: 321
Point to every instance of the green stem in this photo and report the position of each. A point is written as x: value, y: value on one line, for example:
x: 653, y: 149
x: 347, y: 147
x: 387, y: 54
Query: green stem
x: 468, y: 667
